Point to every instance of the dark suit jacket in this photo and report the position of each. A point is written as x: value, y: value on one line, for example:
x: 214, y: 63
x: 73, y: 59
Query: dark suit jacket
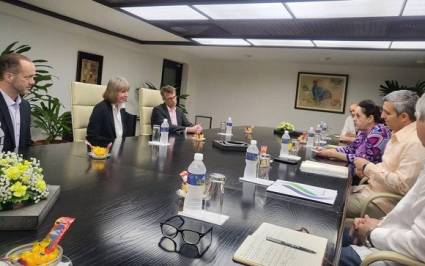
x: 160, y: 112
x: 101, y: 127
x: 7, y: 127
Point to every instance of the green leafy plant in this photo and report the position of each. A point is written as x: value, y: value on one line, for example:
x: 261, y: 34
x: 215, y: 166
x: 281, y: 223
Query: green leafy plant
x: 39, y: 97
x: 393, y: 85
x: 47, y: 117
x: 151, y: 86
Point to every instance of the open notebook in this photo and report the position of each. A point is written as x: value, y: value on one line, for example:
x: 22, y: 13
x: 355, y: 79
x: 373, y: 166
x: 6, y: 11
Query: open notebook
x: 257, y: 250
x: 324, y: 169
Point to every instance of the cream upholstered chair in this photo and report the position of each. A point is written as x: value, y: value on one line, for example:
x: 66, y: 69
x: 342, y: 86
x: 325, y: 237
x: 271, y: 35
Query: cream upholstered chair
x: 148, y: 99
x: 386, y: 256
x: 84, y: 97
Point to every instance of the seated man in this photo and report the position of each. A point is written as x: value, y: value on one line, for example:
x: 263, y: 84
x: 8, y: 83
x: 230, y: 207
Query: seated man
x: 16, y: 78
x: 348, y: 132
x: 402, y: 230
x: 176, y: 118
x: 401, y: 163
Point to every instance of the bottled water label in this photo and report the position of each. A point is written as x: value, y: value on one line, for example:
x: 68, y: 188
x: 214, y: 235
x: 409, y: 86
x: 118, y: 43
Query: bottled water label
x: 164, y: 129
x: 229, y: 124
x: 195, y: 180
x: 285, y: 141
x: 251, y: 156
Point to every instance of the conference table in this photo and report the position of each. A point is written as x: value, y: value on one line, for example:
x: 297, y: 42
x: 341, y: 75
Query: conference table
x: 119, y: 203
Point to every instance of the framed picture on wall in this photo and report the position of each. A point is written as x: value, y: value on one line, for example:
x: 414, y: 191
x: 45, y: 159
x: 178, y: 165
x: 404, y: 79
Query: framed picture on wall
x: 89, y: 68
x: 321, y: 92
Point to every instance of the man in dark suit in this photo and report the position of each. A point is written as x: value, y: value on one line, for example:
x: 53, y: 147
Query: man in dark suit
x: 16, y: 78
x: 169, y: 110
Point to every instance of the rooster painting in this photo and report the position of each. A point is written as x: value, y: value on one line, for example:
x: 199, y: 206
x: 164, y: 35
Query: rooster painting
x: 320, y: 94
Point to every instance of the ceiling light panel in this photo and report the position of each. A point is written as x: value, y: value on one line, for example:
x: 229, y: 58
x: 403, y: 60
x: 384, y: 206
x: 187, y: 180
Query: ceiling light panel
x: 245, y: 11
x: 268, y: 42
x: 219, y: 41
x: 346, y: 9
x: 408, y: 45
x: 165, y: 13
x: 354, y: 44
x: 414, y: 8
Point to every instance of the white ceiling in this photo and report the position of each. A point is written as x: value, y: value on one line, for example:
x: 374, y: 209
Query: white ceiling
x: 121, y: 23
x: 105, y: 17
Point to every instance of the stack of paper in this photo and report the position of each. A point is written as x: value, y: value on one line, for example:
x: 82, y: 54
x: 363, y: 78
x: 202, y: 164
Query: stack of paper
x: 304, y: 191
x: 258, y: 181
x: 324, y: 169
x: 290, y: 157
x: 275, y: 245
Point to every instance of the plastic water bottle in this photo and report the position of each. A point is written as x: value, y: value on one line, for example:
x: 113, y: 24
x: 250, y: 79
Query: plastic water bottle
x: 164, y: 132
x: 251, y: 159
x: 310, y: 137
x: 317, y: 136
x: 229, y: 125
x: 284, y: 149
x: 195, y: 183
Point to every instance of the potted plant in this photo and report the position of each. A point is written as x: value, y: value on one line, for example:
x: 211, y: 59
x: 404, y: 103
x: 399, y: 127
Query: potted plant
x: 393, y: 85
x: 48, y: 118
x: 44, y: 108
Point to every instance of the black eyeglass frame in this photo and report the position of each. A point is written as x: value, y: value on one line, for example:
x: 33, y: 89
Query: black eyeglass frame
x: 181, y: 231
x: 178, y: 230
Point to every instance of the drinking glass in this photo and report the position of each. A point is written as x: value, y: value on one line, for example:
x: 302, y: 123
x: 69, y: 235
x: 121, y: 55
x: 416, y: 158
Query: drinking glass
x: 214, y: 193
x: 223, y: 126
x: 295, y: 147
x: 156, y: 133
x: 264, y: 166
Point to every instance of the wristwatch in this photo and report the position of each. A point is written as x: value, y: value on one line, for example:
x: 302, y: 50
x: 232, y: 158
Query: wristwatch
x: 368, y: 241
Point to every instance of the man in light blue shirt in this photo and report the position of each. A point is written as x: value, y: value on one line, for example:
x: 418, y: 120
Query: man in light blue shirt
x: 16, y: 78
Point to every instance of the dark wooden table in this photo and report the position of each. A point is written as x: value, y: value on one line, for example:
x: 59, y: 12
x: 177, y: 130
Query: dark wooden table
x: 119, y: 203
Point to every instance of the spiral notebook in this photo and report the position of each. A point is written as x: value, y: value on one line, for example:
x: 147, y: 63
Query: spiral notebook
x: 299, y: 248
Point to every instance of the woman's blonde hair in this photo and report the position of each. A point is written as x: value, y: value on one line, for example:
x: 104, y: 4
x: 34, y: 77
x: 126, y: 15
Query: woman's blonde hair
x: 115, y: 85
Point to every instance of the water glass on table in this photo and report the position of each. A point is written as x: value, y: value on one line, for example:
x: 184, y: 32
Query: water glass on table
x: 295, y: 147
x: 214, y: 193
x: 223, y: 127
x: 156, y: 133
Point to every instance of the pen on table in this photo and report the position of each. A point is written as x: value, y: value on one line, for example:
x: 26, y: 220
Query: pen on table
x: 278, y: 241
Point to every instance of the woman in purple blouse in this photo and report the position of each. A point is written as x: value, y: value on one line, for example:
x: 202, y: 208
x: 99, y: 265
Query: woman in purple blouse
x: 371, y: 139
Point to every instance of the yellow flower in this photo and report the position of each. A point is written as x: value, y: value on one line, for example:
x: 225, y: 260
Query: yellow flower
x: 13, y: 173
x: 40, y: 184
x: 23, y: 166
x: 18, y: 189
x: 25, y: 179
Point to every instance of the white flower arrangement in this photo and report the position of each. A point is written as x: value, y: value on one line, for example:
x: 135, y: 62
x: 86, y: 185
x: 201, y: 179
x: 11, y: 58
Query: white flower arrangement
x: 21, y: 181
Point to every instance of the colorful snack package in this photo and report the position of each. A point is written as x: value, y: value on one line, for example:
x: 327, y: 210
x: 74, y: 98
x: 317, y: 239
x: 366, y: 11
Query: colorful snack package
x: 57, y: 232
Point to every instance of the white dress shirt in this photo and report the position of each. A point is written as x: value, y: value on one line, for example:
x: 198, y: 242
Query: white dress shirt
x: 173, y: 115
x: 15, y: 115
x: 348, y: 126
x: 116, y: 111
x: 403, y: 229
